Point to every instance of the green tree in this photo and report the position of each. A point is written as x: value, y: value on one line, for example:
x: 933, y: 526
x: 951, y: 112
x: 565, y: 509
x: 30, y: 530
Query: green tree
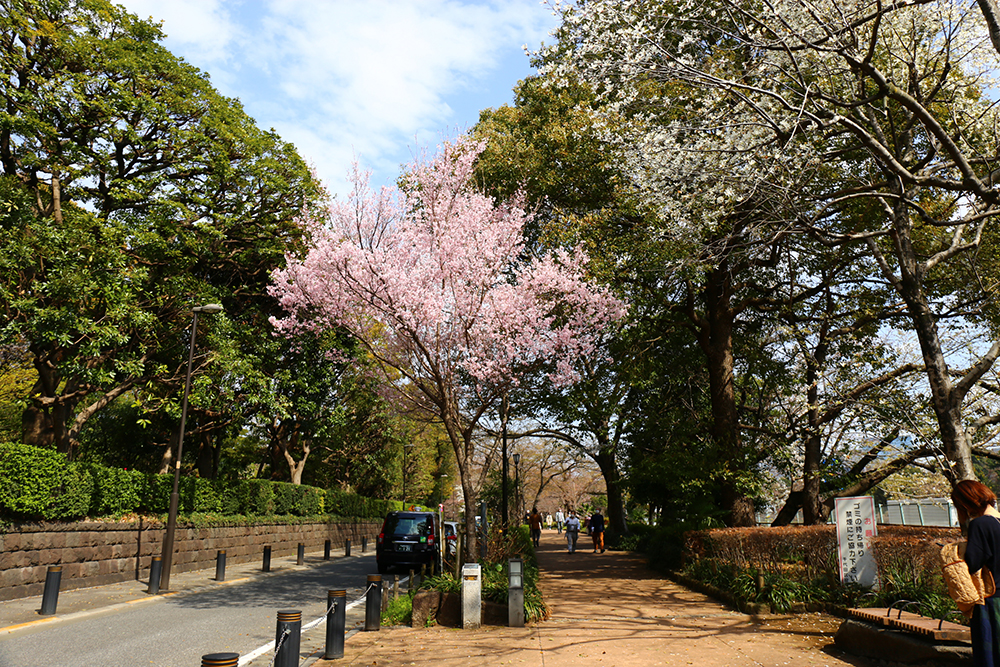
x: 131, y: 190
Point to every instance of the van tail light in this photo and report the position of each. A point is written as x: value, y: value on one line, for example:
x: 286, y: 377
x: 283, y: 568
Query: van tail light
x: 381, y: 536
x: 430, y: 540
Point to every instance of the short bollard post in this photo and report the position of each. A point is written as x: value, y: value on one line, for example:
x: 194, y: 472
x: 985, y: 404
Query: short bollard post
x: 287, y: 638
x: 515, y: 593
x: 347, y: 547
x: 373, y: 603
x: 395, y: 587
x: 409, y: 582
x: 155, y: 569
x: 220, y: 566
x: 300, y: 555
x: 326, y: 550
x: 220, y: 660
x: 364, y: 544
x: 50, y: 595
x: 336, y: 622
x: 267, y: 559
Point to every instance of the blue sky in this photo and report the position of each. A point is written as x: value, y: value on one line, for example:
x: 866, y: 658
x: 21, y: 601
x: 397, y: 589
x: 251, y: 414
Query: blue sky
x: 376, y: 79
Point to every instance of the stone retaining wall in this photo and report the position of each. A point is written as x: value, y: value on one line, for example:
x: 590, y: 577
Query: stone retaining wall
x: 94, y: 553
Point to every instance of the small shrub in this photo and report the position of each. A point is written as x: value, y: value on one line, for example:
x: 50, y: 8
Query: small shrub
x: 399, y: 611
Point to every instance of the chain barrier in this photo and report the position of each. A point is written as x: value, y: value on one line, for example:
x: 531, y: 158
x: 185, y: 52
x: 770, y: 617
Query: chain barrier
x: 277, y: 647
x: 332, y: 607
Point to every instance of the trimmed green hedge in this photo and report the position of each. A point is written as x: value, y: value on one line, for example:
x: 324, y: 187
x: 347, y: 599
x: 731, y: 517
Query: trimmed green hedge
x: 42, y: 483
x: 37, y: 483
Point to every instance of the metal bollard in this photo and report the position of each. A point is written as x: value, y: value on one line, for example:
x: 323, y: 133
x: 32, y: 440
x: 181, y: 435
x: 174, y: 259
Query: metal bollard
x: 347, y: 548
x: 373, y: 603
x: 336, y: 622
x: 50, y: 595
x: 326, y: 550
x: 155, y: 569
x: 267, y: 559
x: 220, y: 566
x: 220, y: 660
x: 364, y: 544
x: 287, y: 639
x: 300, y: 556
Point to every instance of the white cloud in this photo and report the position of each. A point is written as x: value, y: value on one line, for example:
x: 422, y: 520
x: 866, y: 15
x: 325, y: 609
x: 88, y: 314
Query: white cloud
x: 202, y: 28
x: 345, y: 77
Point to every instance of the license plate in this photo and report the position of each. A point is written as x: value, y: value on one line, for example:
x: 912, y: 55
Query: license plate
x: 404, y: 547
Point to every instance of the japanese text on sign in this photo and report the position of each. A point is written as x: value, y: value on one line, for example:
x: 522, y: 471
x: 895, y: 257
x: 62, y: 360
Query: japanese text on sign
x: 855, y: 530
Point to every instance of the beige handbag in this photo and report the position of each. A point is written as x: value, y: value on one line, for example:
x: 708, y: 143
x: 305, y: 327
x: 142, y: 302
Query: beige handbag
x: 967, y: 589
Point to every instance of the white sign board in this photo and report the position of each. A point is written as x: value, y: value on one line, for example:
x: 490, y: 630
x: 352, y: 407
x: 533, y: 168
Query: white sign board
x: 855, y: 530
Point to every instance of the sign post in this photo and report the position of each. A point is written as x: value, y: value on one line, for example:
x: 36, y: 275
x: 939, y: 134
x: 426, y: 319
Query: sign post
x: 855, y: 529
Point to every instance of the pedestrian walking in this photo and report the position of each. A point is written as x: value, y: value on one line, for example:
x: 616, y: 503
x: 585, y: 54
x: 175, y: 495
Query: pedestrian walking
x: 560, y: 520
x: 548, y: 521
x: 572, y: 531
x: 597, y: 530
x: 535, y: 523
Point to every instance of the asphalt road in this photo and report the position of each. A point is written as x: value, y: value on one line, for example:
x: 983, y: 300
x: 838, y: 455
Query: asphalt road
x: 179, y: 630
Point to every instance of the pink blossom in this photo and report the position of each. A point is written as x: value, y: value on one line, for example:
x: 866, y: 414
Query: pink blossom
x: 434, y: 280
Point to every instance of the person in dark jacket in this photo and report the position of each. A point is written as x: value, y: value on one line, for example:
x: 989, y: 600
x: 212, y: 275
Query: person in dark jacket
x: 596, y: 525
x: 535, y: 524
x: 976, y: 506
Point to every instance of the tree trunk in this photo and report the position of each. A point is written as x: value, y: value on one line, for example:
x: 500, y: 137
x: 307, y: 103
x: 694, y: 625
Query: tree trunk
x: 791, y: 507
x: 461, y: 444
x: 715, y: 337
x: 811, y: 501
x: 945, y: 401
x: 612, y: 479
x: 206, y: 458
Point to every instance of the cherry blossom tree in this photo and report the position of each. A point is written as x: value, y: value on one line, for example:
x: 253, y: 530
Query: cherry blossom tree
x: 434, y: 279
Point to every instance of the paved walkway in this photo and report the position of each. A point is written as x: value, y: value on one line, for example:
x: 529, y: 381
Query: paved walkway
x: 607, y: 610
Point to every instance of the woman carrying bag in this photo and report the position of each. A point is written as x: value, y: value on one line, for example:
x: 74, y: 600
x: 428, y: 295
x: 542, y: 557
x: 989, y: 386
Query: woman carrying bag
x: 976, y: 505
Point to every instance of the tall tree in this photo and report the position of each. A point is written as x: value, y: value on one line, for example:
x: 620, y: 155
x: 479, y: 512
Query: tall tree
x: 894, y: 94
x: 436, y: 286
x: 137, y: 190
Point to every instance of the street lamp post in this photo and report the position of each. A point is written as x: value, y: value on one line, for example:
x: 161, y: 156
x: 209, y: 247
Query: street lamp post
x: 168, y: 539
x: 503, y: 471
x: 517, y: 488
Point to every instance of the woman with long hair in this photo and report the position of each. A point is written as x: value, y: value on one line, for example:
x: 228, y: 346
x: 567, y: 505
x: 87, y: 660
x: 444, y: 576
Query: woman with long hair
x: 976, y: 506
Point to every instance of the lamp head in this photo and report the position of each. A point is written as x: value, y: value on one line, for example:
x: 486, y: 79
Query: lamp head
x: 210, y: 308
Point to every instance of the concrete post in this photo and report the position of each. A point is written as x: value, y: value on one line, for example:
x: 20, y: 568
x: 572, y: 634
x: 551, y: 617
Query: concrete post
x: 472, y: 596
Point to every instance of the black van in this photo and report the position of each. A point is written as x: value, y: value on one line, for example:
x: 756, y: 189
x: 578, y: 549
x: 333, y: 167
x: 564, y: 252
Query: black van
x: 408, y: 540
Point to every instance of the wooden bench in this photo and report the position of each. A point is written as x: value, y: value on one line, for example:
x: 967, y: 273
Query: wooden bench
x: 899, y: 619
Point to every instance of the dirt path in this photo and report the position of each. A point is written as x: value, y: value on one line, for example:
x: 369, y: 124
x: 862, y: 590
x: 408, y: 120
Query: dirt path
x: 610, y: 610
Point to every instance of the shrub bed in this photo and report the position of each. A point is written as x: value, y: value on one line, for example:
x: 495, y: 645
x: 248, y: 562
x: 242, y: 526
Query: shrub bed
x: 788, y: 568
x: 517, y: 543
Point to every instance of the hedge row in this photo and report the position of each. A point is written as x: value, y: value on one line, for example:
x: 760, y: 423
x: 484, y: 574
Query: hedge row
x: 38, y: 483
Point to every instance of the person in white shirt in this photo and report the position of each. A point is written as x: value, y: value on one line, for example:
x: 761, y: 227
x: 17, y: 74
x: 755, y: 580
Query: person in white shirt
x: 560, y: 520
x: 572, y: 531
